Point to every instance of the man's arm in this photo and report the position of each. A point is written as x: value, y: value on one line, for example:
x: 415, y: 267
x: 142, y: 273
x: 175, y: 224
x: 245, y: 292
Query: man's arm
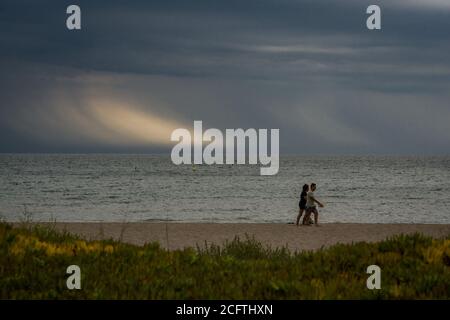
x: 317, y: 201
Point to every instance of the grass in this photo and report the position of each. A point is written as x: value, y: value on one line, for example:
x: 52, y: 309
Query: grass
x: 33, y: 262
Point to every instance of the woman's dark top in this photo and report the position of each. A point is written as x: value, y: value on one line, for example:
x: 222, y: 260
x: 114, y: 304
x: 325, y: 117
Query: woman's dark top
x: 302, y: 203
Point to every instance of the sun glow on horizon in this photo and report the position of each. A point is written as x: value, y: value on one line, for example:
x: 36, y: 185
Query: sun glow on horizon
x: 112, y: 123
x: 127, y: 124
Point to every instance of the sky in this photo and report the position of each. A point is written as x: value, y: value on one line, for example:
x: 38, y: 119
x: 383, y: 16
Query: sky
x: 137, y: 70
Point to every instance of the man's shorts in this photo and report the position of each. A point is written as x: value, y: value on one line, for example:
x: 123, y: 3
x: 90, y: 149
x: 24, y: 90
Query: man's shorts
x: 311, y: 210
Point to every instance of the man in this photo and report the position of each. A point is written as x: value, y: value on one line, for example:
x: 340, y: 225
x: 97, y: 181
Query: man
x: 311, y: 206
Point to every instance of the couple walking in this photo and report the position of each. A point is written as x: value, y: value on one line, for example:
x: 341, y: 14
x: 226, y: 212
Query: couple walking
x: 307, y: 205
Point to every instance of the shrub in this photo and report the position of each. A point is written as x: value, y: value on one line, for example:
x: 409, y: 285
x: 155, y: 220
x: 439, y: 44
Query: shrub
x: 33, y: 263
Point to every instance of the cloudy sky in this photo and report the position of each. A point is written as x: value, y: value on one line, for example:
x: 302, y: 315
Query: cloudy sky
x: 139, y: 69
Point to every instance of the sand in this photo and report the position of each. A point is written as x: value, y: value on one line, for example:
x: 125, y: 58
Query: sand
x: 180, y: 235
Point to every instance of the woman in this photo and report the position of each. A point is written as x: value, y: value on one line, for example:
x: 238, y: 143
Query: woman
x: 311, y: 206
x: 302, y: 203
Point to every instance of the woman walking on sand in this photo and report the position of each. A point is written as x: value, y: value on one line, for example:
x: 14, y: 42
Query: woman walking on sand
x: 302, y: 203
x: 311, y: 206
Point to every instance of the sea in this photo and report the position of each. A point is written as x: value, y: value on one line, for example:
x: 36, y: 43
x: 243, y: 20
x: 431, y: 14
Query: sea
x: 132, y: 188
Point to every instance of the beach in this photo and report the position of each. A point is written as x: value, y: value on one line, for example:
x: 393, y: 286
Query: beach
x: 180, y: 235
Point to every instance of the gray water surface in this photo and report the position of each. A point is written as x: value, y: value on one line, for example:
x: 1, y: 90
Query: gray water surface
x: 362, y: 189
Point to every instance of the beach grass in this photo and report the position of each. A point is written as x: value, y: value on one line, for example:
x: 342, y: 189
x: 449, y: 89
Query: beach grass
x: 34, y: 259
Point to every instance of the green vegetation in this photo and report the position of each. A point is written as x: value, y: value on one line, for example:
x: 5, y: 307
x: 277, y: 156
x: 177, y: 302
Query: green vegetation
x: 33, y: 262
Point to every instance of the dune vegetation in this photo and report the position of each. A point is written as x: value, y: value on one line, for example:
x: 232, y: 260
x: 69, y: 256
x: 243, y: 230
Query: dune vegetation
x: 34, y: 259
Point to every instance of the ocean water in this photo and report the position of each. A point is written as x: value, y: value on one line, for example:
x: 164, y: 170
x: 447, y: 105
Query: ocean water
x: 361, y: 189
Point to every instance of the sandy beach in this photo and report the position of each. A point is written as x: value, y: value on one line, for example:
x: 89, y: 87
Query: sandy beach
x: 180, y: 235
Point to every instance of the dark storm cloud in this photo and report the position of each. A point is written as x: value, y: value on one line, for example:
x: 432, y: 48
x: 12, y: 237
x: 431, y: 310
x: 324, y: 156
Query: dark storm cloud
x: 310, y: 68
